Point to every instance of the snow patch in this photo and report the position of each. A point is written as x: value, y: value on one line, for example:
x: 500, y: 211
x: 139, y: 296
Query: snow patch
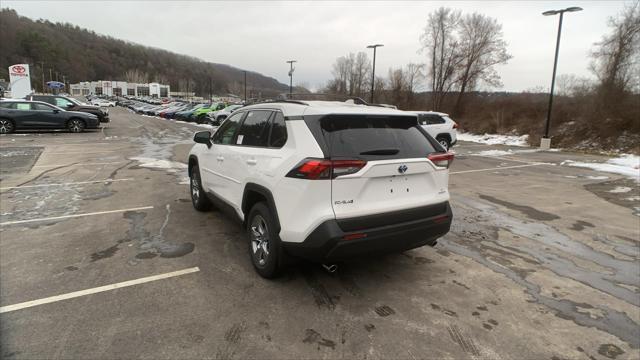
x: 494, y: 139
x: 502, y: 152
x: 627, y: 165
x: 620, y: 189
x: 168, y: 165
x: 633, y: 198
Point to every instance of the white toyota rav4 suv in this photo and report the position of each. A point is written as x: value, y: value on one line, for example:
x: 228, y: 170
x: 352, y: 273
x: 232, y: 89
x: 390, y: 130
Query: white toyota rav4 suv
x: 440, y: 126
x: 323, y: 181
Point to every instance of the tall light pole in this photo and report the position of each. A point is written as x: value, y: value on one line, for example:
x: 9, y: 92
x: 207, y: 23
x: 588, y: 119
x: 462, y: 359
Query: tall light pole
x: 291, y: 77
x: 545, y: 143
x: 373, y: 71
x: 245, y: 86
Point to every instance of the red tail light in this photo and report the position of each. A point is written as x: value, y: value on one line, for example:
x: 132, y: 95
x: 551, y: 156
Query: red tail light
x: 455, y: 125
x: 319, y: 169
x: 441, y: 159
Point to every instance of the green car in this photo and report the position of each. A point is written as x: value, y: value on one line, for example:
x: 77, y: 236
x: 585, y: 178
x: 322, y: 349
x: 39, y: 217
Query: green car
x: 184, y: 115
x: 199, y: 114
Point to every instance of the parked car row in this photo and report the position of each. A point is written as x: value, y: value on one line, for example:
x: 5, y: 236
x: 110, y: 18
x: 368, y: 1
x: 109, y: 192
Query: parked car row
x: 201, y: 113
x: 19, y: 114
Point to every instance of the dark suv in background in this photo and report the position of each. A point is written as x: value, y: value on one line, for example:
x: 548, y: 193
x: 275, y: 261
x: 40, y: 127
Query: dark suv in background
x: 71, y: 104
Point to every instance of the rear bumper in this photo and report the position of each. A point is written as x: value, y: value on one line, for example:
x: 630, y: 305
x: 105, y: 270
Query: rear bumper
x: 327, y: 242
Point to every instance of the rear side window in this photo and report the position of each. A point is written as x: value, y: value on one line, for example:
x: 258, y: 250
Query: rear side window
x: 255, y: 129
x: 278, y: 131
x: 430, y: 119
x: 62, y: 102
x: 227, y: 130
x: 5, y: 105
x: 36, y: 106
x: 375, y: 138
x: 23, y: 106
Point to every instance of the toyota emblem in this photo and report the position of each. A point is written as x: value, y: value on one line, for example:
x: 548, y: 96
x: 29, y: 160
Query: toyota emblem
x: 402, y: 169
x: 18, y: 69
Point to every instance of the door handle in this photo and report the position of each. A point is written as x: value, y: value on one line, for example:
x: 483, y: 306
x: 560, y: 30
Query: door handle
x: 252, y: 161
x: 220, y: 158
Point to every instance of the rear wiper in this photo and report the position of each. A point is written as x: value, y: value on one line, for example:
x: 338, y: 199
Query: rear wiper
x: 381, y: 152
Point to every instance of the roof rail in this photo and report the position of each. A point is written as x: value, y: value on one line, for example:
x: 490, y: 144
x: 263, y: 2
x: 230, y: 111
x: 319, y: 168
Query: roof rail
x: 359, y: 101
x: 283, y: 101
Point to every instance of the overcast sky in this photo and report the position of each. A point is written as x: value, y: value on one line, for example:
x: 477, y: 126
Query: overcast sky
x: 262, y: 35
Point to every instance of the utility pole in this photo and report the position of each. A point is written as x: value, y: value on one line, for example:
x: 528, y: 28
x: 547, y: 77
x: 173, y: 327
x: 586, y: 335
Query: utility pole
x: 42, y: 72
x: 545, y: 142
x: 245, y: 86
x: 291, y: 77
x: 373, y: 72
x: 210, y: 89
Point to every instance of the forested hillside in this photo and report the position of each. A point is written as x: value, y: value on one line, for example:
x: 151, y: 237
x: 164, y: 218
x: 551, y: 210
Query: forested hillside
x: 82, y: 55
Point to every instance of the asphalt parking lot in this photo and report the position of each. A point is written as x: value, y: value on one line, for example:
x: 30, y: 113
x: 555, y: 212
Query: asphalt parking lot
x: 103, y: 256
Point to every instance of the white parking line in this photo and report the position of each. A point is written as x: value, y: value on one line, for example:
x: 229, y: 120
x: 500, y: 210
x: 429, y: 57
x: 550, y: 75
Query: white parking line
x: 82, y: 152
x: 65, y: 184
x: 79, y: 164
x: 95, y: 290
x: 74, y: 216
x: 496, y: 168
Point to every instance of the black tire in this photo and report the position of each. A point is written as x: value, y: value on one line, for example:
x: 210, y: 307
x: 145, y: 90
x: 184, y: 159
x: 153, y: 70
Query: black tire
x: 76, y: 125
x: 199, y: 199
x: 6, y: 126
x: 444, y: 142
x: 265, y: 249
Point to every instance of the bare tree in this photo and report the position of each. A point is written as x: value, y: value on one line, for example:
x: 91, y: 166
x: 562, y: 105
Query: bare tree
x: 341, y: 71
x: 360, y: 69
x: 616, y: 58
x: 397, y: 86
x: 136, y: 76
x: 441, y: 45
x: 481, y: 48
x: 414, y: 74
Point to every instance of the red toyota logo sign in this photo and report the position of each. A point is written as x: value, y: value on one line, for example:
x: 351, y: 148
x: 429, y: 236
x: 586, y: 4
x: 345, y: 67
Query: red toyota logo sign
x: 18, y: 69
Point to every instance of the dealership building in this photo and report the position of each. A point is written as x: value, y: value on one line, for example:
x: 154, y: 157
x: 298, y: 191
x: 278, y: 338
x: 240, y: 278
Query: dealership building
x: 119, y: 88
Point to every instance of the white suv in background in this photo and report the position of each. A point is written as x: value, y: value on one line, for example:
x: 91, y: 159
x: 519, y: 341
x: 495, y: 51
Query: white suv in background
x: 323, y: 181
x: 439, y: 125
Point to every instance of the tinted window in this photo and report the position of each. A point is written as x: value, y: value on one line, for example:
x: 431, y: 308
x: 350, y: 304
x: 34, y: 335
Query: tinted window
x: 255, y: 129
x: 369, y: 138
x: 278, y: 131
x: 5, y: 105
x: 41, y: 107
x: 227, y: 130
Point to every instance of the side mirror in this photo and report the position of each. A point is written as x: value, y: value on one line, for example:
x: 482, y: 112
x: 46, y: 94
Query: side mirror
x: 55, y: 111
x: 203, y: 137
x: 69, y: 105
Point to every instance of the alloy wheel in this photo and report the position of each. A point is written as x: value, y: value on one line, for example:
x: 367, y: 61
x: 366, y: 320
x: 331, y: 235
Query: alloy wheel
x: 195, y: 188
x: 259, y: 240
x: 5, y: 126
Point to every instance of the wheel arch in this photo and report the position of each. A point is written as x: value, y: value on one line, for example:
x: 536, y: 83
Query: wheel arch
x: 254, y: 193
x: 193, y: 161
x: 444, y: 135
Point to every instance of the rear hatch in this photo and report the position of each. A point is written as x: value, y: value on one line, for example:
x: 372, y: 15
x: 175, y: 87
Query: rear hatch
x: 382, y: 165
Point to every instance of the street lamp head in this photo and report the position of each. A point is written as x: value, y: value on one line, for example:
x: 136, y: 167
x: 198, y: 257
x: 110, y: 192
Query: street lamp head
x: 374, y: 46
x: 555, y: 12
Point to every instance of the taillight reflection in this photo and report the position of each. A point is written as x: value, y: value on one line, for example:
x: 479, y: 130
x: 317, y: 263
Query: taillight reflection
x: 441, y: 159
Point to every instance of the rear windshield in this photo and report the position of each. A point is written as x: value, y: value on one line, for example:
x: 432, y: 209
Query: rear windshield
x: 375, y: 138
